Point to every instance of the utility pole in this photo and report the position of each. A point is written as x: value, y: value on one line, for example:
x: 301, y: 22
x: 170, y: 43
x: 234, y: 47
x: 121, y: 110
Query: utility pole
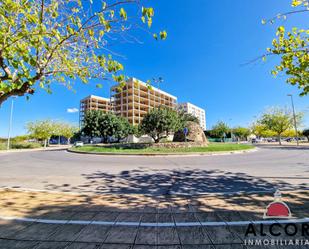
x: 294, y: 117
x: 10, y: 124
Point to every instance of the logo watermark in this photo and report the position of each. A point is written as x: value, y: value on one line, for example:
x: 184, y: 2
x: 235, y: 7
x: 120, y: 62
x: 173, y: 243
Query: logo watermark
x: 275, y: 233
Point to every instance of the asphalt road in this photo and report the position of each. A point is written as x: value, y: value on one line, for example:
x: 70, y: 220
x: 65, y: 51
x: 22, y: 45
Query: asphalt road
x: 264, y: 170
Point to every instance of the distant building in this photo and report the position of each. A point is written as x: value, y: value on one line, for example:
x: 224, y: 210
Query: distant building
x: 195, y: 111
x: 134, y: 100
x: 93, y: 102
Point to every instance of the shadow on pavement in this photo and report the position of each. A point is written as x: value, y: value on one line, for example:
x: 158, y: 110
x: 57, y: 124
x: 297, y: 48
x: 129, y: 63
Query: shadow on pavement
x: 131, y: 208
x: 170, y: 182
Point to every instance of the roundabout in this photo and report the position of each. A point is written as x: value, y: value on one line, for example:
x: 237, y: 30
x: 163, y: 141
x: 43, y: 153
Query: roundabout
x: 58, y: 199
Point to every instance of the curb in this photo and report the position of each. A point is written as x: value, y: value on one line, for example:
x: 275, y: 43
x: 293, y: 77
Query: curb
x: 32, y: 150
x: 166, y: 154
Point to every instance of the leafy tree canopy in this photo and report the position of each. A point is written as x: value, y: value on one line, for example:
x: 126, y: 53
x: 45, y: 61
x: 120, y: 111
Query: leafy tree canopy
x: 159, y: 122
x: 279, y: 120
x: 292, y: 47
x: 241, y: 132
x: 220, y: 129
x: 47, y: 41
x: 105, y: 125
x: 306, y: 133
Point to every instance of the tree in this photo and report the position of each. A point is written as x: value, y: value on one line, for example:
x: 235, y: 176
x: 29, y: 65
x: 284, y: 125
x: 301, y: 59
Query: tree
x: 306, y: 133
x: 220, y: 130
x: 241, y: 132
x: 91, y: 123
x: 123, y: 129
x: 261, y: 130
x: 41, y: 130
x: 159, y: 122
x: 68, y: 131
x: 108, y: 126
x: 47, y: 41
x: 293, y: 48
x: 278, y: 120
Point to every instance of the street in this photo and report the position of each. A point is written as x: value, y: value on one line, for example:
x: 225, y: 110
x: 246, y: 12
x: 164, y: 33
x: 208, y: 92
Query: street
x: 266, y: 169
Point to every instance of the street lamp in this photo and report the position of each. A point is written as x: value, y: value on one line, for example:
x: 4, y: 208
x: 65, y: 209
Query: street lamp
x: 294, y: 117
x: 10, y: 123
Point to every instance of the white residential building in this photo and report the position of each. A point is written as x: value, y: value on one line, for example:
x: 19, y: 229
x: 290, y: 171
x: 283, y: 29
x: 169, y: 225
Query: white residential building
x: 195, y: 111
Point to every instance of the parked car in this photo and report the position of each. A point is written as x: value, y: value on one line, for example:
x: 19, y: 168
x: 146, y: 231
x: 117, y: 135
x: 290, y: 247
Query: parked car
x: 78, y: 144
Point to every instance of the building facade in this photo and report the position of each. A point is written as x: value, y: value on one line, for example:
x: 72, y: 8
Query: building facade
x: 136, y: 98
x: 195, y: 111
x: 93, y: 102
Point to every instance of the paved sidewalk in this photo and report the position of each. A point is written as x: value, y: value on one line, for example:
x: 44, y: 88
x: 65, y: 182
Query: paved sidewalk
x: 58, y: 220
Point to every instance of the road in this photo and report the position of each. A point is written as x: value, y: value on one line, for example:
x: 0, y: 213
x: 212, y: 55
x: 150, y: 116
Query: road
x: 267, y: 169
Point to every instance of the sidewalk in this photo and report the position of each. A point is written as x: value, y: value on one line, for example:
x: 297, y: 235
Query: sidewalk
x: 59, y: 220
x: 52, y: 147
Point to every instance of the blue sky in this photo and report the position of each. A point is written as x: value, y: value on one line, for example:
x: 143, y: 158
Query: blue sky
x: 200, y: 63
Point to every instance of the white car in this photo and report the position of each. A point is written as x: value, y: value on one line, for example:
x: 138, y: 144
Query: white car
x: 78, y: 144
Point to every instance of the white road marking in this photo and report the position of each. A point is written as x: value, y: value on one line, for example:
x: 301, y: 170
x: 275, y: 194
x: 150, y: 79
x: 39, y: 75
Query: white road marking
x: 153, y: 224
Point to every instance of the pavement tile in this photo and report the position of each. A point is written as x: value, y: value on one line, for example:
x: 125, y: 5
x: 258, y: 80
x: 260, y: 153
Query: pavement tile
x: 93, y: 233
x: 121, y: 234
x: 9, y: 227
x: 37, y: 231
x: 144, y: 247
x: 198, y: 247
x: 221, y: 235
x: 15, y: 244
x: 149, y: 218
x: 76, y: 245
x: 193, y: 235
x: 106, y: 216
x: 168, y: 236
x: 147, y: 235
x: 116, y: 246
x: 169, y: 247
x: 207, y: 217
x: 185, y: 217
x: 67, y: 232
x: 129, y: 217
x: 231, y: 246
x: 51, y: 245
x: 83, y: 216
x: 56, y: 215
x: 165, y: 218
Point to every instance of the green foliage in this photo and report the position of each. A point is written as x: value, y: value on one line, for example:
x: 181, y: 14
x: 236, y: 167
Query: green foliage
x: 60, y: 40
x: 292, y: 47
x: 41, y: 130
x: 185, y: 117
x: 212, y: 147
x: 159, y: 122
x: 105, y: 125
x: 306, y: 133
x: 278, y: 120
x: 44, y: 129
x: 241, y: 132
x: 220, y: 129
x: 261, y: 130
x: 91, y: 123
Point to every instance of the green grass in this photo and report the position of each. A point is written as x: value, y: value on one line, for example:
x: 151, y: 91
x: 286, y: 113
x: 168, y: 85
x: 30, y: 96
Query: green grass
x: 20, y: 145
x: 213, y: 147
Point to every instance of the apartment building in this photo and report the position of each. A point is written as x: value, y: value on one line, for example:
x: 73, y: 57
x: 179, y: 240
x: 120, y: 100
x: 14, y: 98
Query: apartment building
x: 93, y: 102
x: 195, y: 111
x: 136, y: 98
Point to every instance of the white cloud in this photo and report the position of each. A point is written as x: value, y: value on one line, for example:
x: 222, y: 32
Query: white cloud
x: 72, y: 110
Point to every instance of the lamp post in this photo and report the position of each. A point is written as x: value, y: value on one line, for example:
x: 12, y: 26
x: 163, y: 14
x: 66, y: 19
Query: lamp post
x: 294, y: 117
x: 10, y: 123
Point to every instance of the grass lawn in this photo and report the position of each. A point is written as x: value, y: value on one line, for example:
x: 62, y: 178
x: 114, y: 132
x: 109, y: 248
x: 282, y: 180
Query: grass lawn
x: 20, y: 145
x: 213, y: 147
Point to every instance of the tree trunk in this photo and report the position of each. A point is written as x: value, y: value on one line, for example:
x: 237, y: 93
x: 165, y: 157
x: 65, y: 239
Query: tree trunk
x: 68, y: 142
x: 45, y: 143
x: 58, y: 140
x: 279, y: 138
